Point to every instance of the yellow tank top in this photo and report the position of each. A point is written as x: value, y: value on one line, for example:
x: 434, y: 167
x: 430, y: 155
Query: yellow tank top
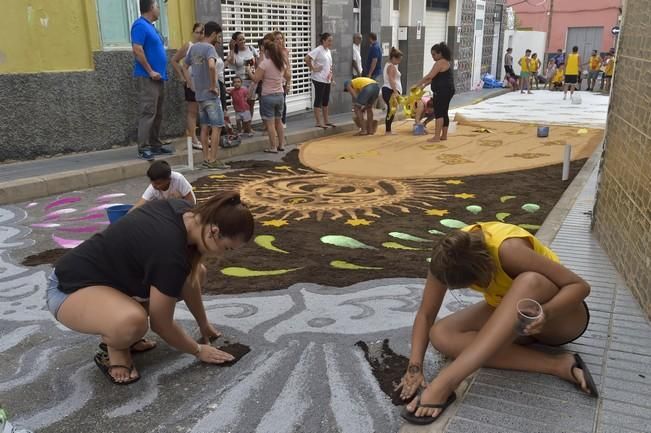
x: 494, y: 234
x: 361, y: 82
x: 572, y: 65
x: 524, y: 64
x: 533, y: 65
x: 595, y: 62
x: 610, y: 67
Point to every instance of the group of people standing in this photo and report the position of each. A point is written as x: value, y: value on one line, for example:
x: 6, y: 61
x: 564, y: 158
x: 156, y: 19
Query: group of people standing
x: 564, y: 71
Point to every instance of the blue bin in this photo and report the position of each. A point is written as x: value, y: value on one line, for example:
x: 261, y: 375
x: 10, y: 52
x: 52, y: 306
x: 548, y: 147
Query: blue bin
x: 118, y: 211
x: 543, y: 131
x: 419, y: 129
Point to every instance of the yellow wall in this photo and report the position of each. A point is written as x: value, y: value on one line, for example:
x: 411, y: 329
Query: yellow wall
x: 56, y: 36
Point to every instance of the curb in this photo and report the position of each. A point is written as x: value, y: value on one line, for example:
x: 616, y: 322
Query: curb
x: 552, y: 224
x: 21, y: 190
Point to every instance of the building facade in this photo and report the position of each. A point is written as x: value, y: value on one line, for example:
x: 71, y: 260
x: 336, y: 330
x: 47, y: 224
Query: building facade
x: 622, y: 214
x: 570, y: 22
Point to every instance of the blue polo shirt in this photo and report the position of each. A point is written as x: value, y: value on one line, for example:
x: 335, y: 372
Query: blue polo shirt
x: 144, y: 33
x: 374, y: 52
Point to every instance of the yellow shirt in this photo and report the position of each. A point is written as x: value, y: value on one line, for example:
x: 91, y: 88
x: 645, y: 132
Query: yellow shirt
x: 534, y: 65
x: 610, y: 67
x: 524, y: 63
x: 595, y: 62
x: 572, y: 65
x: 494, y: 234
x: 361, y: 82
x: 558, y: 76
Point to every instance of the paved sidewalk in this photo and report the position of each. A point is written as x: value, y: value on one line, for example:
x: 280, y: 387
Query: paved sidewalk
x: 616, y: 348
x: 21, y: 181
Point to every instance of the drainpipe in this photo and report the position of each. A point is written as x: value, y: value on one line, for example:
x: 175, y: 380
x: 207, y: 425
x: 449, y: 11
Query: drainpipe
x: 549, y: 23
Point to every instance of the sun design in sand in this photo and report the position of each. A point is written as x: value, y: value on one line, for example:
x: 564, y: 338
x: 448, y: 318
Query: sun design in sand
x: 285, y: 193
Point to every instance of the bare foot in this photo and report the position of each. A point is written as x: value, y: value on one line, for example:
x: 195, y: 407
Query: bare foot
x: 430, y: 395
x: 143, y: 345
x: 434, y: 139
x: 361, y: 133
x: 444, y: 137
x: 572, y: 374
x: 121, y: 357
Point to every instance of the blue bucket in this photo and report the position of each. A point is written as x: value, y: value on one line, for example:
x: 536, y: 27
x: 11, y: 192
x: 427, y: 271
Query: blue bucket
x: 543, y: 131
x: 118, y: 211
x: 419, y: 129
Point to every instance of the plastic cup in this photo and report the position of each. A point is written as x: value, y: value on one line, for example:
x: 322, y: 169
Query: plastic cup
x: 528, y: 311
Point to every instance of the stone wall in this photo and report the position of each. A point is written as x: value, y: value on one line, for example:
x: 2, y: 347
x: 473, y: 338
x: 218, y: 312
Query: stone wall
x: 52, y: 113
x: 462, y: 50
x: 622, y: 216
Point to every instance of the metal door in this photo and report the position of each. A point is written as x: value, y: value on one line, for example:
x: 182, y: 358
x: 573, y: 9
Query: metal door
x: 586, y: 38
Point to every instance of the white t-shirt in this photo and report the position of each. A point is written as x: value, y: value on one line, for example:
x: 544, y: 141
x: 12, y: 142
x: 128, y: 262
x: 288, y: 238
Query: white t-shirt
x: 321, y: 57
x: 219, y: 68
x: 179, y: 188
x: 241, y: 58
x: 387, y: 81
x: 357, y: 58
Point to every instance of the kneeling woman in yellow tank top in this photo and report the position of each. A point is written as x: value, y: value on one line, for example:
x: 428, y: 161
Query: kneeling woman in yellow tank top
x: 506, y: 264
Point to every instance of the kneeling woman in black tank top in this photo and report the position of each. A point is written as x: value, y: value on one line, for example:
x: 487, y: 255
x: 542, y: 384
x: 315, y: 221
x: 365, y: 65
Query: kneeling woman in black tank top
x: 130, y: 276
x: 442, y: 83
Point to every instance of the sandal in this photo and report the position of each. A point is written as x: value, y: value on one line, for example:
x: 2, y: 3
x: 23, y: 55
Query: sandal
x: 589, y: 381
x: 281, y: 149
x: 321, y: 126
x: 270, y: 151
x: 331, y: 125
x: 424, y: 420
x: 103, y: 348
x: 102, y: 362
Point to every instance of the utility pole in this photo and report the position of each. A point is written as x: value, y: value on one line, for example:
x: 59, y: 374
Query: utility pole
x: 549, y: 23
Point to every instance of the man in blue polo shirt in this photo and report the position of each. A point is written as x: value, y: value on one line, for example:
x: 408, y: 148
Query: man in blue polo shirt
x: 150, y: 70
x: 374, y: 58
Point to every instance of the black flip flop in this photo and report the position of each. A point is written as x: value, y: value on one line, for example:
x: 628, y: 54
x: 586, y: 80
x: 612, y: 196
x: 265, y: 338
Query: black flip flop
x: 424, y: 420
x: 589, y: 381
x: 101, y: 360
x: 103, y: 348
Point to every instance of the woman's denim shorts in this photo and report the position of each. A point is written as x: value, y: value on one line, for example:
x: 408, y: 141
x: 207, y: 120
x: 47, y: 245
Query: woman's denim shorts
x: 55, y: 297
x: 271, y: 106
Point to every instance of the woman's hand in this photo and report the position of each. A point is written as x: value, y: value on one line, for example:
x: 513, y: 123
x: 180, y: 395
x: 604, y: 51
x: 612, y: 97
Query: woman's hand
x: 211, y: 355
x: 536, y: 326
x: 209, y: 333
x: 411, y: 381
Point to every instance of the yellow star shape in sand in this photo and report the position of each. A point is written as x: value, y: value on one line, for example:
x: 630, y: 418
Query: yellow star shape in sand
x: 453, y: 182
x: 283, y: 167
x: 358, y: 222
x: 274, y: 223
x: 465, y: 196
x: 217, y: 176
x: 436, y: 212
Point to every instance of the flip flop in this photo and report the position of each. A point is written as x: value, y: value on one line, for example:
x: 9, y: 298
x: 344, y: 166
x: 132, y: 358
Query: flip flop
x: 103, y: 348
x: 589, y: 381
x: 270, y: 151
x: 424, y: 420
x: 102, y: 363
x: 281, y: 149
x: 331, y: 124
x: 319, y: 126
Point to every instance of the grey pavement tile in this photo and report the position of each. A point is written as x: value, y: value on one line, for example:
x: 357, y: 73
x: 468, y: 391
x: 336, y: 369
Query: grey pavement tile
x: 624, y: 365
x: 643, y: 340
x: 630, y: 357
x: 630, y: 376
x: 599, y: 343
x: 627, y: 408
x: 630, y: 310
x: 598, y: 327
x: 643, y: 388
x: 631, y: 348
x: 628, y: 422
x: 581, y: 420
x: 626, y: 396
x: 530, y: 390
x: 584, y: 349
x: 503, y: 420
x: 622, y: 325
x: 615, y: 428
x: 601, y: 314
x: 536, y: 378
x: 628, y: 318
x: 602, y: 265
x: 637, y: 333
x: 598, y: 319
x: 460, y: 425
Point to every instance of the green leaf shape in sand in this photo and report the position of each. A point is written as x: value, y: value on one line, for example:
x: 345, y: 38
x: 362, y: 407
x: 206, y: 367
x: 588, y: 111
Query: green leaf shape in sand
x: 529, y: 226
x: 435, y: 232
x: 408, y: 237
x: 345, y: 242
x: 340, y: 264
x: 453, y: 224
x: 473, y: 208
x: 530, y: 207
x: 501, y: 216
x: 246, y: 272
x: 266, y: 242
x: 397, y: 246
x: 505, y: 198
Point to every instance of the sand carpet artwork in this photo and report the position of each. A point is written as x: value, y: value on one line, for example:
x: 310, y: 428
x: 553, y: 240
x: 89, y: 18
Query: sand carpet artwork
x: 475, y: 148
x: 314, y: 227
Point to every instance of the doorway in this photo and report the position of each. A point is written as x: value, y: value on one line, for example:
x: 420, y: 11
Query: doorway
x: 478, y: 46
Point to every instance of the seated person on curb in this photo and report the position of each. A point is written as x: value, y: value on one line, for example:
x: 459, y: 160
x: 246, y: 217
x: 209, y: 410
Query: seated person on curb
x: 165, y: 184
x: 129, y: 277
x: 557, y: 80
x: 424, y: 107
x: 507, y: 265
x: 364, y: 92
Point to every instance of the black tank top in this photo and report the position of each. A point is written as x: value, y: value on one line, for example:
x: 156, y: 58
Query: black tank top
x: 443, y: 81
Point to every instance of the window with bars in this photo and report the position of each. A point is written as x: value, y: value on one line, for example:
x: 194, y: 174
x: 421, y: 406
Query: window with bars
x: 255, y: 18
x: 116, y: 16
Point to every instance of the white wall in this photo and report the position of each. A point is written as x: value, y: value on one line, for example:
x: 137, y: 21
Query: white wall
x: 521, y: 40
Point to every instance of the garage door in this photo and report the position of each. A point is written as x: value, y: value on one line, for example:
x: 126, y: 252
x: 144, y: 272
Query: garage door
x: 292, y: 17
x: 436, y: 30
x: 586, y: 38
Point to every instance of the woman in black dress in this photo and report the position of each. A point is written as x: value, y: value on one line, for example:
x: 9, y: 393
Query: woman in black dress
x: 442, y: 83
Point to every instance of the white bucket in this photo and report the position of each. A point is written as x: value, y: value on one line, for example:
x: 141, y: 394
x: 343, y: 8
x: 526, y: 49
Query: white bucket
x: 452, y: 128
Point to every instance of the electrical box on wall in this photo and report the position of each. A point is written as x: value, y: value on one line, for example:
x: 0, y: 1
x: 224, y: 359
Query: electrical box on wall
x: 402, y: 33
